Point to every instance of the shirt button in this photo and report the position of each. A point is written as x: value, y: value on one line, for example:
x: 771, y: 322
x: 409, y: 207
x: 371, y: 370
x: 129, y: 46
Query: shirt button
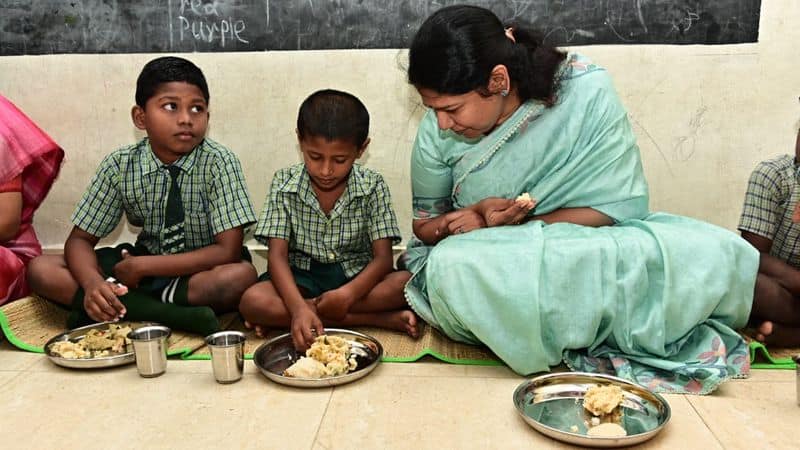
x: 332, y: 256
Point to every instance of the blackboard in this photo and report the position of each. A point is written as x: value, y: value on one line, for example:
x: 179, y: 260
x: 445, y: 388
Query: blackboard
x: 36, y: 27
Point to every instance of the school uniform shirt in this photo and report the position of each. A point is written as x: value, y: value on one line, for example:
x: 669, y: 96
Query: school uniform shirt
x: 772, y: 193
x: 362, y: 214
x: 132, y: 180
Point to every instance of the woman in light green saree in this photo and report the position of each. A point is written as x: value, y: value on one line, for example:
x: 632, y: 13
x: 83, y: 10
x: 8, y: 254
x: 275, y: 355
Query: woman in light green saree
x: 588, y: 275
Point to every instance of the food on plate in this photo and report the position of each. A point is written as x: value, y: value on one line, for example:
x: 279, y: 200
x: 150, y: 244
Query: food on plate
x: 602, y: 400
x: 328, y: 356
x: 607, y: 430
x: 96, y: 343
x: 604, y: 403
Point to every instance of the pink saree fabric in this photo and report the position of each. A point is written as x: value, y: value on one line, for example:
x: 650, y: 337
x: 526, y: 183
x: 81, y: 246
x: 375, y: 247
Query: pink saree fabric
x: 28, y: 151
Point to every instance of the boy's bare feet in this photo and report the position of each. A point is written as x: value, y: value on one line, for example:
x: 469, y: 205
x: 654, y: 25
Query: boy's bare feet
x: 405, y: 321
x: 258, y: 329
x: 778, y: 335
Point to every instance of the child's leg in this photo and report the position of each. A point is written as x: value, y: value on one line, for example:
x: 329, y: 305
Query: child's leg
x: 261, y: 306
x: 779, y: 311
x: 49, y: 277
x: 385, y: 296
x: 781, y: 272
x: 779, y: 335
x: 772, y: 301
x: 384, y: 307
x: 400, y: 320
x: 222, y: 287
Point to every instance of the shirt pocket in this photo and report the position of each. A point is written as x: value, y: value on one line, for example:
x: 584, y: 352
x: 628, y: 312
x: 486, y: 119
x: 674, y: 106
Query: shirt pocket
x: 198, y: 230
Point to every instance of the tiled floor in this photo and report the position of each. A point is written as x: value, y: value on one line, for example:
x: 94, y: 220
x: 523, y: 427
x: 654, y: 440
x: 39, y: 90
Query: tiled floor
x: 414, y: 406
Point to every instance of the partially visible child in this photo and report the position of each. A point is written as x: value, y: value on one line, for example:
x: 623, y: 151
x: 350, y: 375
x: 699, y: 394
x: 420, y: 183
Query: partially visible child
x: 330, y: 226
x: 188, y: 195
x: 770, y: 221
x: 29, y: 163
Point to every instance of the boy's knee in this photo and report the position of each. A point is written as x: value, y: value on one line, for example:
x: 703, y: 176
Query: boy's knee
x: 231, y: 278
x: 256, y: 303
x: 242, y: 275
x: 399, y: 279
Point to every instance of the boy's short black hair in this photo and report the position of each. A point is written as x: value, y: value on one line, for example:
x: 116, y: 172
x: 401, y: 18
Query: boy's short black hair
x: 164, y: 70
x: 333, y: 115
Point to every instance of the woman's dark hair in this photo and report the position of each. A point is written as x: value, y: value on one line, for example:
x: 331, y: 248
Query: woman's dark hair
x: 164, y: 70
x: 333, y: 115
x: 456, y: 48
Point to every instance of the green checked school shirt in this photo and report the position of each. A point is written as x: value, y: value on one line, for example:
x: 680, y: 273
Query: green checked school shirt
x: 772, y: 193
x: 362, y: 214
x: 132, y: 180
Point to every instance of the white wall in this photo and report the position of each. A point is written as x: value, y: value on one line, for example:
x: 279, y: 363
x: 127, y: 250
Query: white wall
x: 704, y: 115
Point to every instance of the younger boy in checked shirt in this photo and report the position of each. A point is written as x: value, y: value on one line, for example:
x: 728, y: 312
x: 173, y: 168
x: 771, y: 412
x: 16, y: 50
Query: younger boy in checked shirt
x: 770, y: 221
x: 188, y: 195
x: 330, y: 226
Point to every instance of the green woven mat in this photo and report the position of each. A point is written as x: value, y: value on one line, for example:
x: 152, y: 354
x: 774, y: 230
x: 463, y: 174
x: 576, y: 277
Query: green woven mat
x: 30, y: 322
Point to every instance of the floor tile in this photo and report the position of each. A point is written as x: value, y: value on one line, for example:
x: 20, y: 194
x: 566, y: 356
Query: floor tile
x: 770, y: 375
x: 685, y: 428
x: 13, y: 359
x: 7, y: 376
x: 431, y: 368
x: 747, y: 415
x: 119, y: 409
x: 391, y: 410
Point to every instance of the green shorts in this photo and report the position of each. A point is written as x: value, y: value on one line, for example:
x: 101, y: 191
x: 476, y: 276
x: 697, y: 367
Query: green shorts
x: 108, y: 257
x: 320, y: 278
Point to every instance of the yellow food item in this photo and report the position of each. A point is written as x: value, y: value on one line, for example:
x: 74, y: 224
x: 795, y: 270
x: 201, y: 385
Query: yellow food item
x: 306, y: 368
x: 601, y: 400
x: 524, y: 197
x: 95, y: 343
x: 604, y: 404
x: 332, y: 355
x: 607, y: 430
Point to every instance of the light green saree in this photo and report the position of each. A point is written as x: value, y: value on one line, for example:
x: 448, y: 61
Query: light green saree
x: 654, y: 298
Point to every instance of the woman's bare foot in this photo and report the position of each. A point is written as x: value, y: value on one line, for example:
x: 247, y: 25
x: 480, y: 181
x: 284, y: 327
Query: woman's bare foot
x: 778, y: 335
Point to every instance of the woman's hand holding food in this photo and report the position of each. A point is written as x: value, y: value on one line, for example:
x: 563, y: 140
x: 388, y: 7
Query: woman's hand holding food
x: 502, y: 211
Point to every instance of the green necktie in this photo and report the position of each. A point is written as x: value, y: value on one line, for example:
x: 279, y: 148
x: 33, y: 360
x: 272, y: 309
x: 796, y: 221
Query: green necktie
x: 172, y: 234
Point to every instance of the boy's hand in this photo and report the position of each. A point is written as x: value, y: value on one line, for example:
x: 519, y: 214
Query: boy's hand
x: 127, y: 270
x: 306, y: 326
x: 101, y: 302
x: 334, y: 304
x: 796, y: 212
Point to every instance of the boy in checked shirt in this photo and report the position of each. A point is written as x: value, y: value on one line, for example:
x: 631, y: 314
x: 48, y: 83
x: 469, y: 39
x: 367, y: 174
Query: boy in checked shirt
x: 330, y: 226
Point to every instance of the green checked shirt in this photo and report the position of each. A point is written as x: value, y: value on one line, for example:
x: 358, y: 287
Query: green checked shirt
x: 132, y: 180
x: 772, y: 193
x: 362, y: 214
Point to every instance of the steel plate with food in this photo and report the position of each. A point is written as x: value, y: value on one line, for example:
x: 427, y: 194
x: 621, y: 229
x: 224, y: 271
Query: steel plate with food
x: 590, y: 409
x: 337, y: 357
x: 94, y: 346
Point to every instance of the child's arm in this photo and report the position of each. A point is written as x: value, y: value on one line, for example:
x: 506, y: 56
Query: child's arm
x: 335, y: 304
x: 306, y: 325
x: 226, y: 249
x: 100, y: 301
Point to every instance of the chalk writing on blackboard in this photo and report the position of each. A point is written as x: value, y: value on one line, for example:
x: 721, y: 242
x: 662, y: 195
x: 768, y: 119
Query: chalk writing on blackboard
x: 117, y: 26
